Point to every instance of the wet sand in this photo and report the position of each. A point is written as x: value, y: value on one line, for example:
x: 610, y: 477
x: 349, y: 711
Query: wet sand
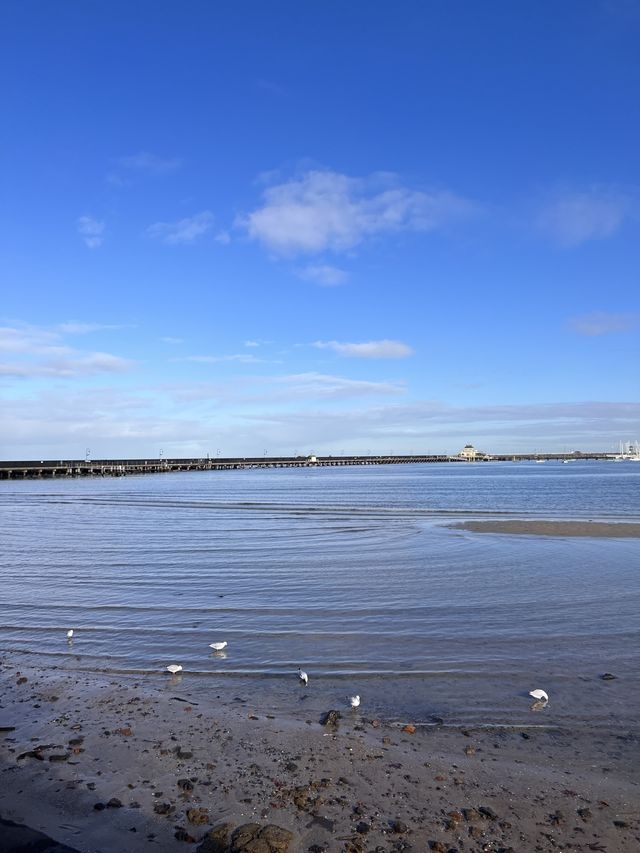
x: 599, y: 529
x: 104, y: 764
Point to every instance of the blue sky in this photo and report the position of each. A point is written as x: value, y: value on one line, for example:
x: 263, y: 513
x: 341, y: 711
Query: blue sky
x: 318, y: 227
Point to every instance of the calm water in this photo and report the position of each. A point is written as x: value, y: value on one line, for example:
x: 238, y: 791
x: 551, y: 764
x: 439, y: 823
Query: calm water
x: 351, y: 573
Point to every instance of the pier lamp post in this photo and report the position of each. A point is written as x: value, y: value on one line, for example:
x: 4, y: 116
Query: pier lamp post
x: 87, y: 454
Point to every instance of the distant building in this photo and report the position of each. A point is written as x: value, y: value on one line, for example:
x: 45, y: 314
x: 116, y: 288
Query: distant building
x: 470, y: 454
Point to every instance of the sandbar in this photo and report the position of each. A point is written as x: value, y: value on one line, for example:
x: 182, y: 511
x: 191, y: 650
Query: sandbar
x: 535, y: 527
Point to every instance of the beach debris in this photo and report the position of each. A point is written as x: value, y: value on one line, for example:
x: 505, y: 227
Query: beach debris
x: 70, y: 634
x: 354, y: 701
x: 218, y: 647
x: 539, y: 695
x: 330, y: 719
x: 174, y: 668
x: 607, y: 676
x: 304, y: 678
x: 410, y: 729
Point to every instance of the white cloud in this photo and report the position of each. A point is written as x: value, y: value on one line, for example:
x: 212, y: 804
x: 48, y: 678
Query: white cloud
x: 173, y: 341
x: 91, y: 230
x: 37, y: 352
x: 601, y: 323
x: 324, y: 210
x: 575, y: 218
x: 183, y: 231
x: 323, y: 274
x: 143, y: 161
x: 368, y: 349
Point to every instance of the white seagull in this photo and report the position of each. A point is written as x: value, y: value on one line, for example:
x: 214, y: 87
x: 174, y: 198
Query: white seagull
x: 218, y: 647
x: 539, y: 695
x: 304, y: 678
x: 355, y: 701
x: 69, y: 633
x: 174, y: 668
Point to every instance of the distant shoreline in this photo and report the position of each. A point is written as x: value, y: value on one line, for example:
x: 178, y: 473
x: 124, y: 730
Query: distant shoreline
x: 519, y: 527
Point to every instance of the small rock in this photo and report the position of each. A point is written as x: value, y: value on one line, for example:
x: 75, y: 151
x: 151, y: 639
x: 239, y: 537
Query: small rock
x: 60, y: 756
x: 198, y: 817
x: 608, y: 676
x: 216, y: 840
x: 330, y: 719
x: 399, y: 827
x: 363, y: 827
x: 114, y: 803
x: 162, y: 808
x: 291, y: 766
x: 182, y: 835
x: 125, y: 731
x: 585, y: 814
x: 438, y: 846
x: 185, y: 784
x: 488, y: 812
x: 410, y: 729
x: 621, y: 824
x: 99, y: 807
x: 253, y: 838
x: 22, y: 680
x: 469, y: 750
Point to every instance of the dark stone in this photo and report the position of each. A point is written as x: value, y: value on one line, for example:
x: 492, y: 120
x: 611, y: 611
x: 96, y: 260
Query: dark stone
x: 488, y: 812
x: 607, y: 676
x: 182, y: 835
x: 330, y: 719
x: 585, y: 814
x: 291, y: 766
x: 399, y: 827
x: 114, y: 803
x: 162, y: 808
x: 198, y: 816
x: 59, y: 756
x: 621, y: 824
x: 185, y: 784
x: 99, y: 807
x: 216, y: 840
x: 363, y: 827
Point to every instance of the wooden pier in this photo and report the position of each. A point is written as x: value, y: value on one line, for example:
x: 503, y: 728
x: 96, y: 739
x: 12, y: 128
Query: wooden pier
x: 46, y: 469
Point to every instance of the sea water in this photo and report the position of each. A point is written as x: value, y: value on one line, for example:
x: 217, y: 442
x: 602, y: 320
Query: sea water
x: 353, y: 573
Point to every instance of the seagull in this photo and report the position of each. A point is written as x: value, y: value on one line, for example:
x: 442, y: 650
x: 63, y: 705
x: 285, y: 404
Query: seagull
x: 355, y: 701
x: 69, y: 633
x: 218, y: 647
x: 304, y: 678
x: 174, y: 668
x: 539, y: 695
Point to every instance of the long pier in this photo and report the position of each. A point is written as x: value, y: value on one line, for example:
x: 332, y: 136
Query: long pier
x: 45, y: 469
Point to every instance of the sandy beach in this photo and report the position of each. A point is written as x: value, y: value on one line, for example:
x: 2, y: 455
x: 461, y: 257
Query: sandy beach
x: 100, y: 764
x: 597, y: 529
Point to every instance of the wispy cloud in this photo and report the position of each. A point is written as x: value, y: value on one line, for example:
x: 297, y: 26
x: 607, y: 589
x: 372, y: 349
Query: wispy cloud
x: 242, y: 358
x: 575, y: 218
x: 600, y: 323
x: 284, y: 389
x: 327, y: 211
x: 91, y: 230
x: 167, y: 339
x: 367, y: 349
x: 144, y: 161
x: 184, y: 231
x: 86, y: 328
x: 37, y: 352
x: 323, y: 274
